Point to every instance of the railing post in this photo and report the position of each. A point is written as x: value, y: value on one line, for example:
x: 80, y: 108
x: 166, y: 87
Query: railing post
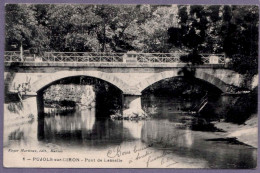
x: 224, y: 59
x: 54, y: 57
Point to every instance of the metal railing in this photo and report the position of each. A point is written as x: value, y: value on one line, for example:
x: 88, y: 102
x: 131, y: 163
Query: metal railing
x: 206, y: 58
x: 12, y: 56
x: 107, y: 57
x: 82, y: 57
x: 159, y: 57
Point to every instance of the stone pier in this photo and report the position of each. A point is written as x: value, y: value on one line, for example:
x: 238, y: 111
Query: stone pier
x: 132, y: 102
x: 133, y: 107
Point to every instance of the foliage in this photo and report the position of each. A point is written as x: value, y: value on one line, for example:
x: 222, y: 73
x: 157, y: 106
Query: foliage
x: 192, y: 59
x: 23, y: 28
x: 181, y: 87
x: 243, y: 108
x: 216, y: 29
x: 240, y: 43
x: 232, y: 30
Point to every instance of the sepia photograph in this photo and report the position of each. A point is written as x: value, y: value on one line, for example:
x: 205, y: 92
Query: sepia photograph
x: 130, y: 86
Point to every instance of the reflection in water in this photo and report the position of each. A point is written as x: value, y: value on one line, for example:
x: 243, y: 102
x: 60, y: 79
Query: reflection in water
x: 82, y: 128
x: 187, y: 143
x: 79, y: 120
x: 134, y: 128
x: 88, y: 118
x: 166, y: 106
x: 18, y: 134
x: 167, y: 131
x: 23, y: 135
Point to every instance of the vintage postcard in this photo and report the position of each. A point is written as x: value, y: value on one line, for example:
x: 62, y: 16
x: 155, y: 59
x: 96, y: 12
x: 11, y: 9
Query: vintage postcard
x: 131, y: 86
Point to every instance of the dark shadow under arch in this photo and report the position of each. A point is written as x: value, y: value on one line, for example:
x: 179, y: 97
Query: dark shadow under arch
x: 177, y: 84
x: 104, y: 99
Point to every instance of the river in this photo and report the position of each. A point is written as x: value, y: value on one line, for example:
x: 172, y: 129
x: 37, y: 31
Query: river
x: 168, y: 139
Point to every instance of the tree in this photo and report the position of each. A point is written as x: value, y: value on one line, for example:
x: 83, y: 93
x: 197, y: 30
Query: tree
x: 241, y: 38
x: 154, y: 32
x: 19, y: 26
x: 143, y: 28
x: 22, y: 28
x: 119, y: 27
x: 217, y: 29
x: 193, y: 22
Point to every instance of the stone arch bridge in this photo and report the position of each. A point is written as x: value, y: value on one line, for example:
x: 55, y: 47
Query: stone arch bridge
x: 129, y: 73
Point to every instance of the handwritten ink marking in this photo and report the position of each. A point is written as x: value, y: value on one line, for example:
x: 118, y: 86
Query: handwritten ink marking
x: 163, y: 156
x: 148, y: 161
x: 116, y: 152
x: 142, y: 148
x: 139, y: 156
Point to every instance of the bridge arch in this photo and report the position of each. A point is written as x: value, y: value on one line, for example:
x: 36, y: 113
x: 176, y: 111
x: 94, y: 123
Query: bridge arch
x: 47, y: 80
x: 210, y: 78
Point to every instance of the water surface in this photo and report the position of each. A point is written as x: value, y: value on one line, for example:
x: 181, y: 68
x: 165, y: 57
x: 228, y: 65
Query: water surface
x: 168, y: 135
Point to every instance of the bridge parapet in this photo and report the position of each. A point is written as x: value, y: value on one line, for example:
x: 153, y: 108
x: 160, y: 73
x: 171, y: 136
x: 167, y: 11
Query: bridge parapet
x: 111, y: 58
x: 132, y: 91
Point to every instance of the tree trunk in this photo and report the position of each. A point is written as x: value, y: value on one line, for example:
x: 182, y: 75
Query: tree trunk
x: 104, y: 37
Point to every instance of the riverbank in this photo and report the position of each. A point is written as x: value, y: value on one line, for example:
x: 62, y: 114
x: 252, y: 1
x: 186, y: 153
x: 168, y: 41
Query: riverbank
x: 14, y: 121
x: 246, y: 133
x: 17, y: 117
